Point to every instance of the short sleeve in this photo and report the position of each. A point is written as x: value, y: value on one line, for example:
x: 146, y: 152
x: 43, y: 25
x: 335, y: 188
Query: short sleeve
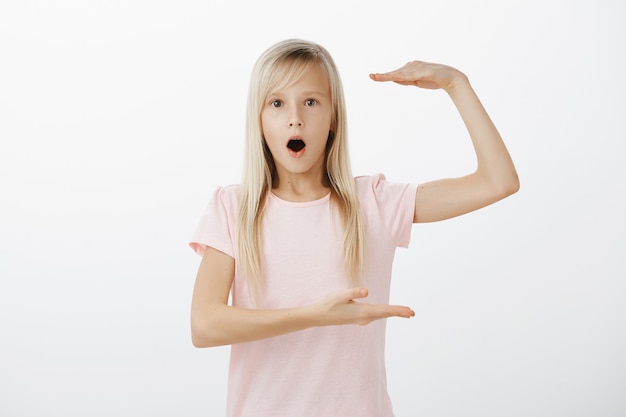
x: 390, y: 205
x: 217, y: 224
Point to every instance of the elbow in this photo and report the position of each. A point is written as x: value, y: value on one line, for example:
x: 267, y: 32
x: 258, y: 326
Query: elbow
x: 513, y: 184
x: 203, y: 334
x: 203, y: 340
x: 198, y: 341
x: 509, y: 187
x: 505, y: 185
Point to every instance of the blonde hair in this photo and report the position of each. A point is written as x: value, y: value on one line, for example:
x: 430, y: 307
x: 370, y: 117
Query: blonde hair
x: 280, y: 66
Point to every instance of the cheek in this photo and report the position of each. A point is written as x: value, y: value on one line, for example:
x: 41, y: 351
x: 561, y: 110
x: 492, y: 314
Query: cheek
x: 265, y: 127
x: 268, y: 123
x: 270, y: 134
x: 325, y: 118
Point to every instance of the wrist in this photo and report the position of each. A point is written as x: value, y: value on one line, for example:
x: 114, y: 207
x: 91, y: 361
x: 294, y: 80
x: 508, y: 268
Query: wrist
x: 311, y: 315
x: 461, y: 87
x: 458, y: 82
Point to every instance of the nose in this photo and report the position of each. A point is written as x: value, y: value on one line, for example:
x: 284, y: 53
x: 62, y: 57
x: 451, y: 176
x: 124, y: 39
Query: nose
x: 295, y: 120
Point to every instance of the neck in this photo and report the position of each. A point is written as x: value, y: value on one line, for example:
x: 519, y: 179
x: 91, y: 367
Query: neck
x: 299, y: 188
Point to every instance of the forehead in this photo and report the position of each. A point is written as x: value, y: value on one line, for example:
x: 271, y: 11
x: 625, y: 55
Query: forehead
x: 294, y: 74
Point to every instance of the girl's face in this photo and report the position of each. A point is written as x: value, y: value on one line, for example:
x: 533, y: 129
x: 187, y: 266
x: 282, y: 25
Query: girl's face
x: 296, y: 122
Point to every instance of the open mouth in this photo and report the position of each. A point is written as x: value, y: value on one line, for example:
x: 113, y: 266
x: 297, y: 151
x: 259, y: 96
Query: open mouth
x: 296, y: 145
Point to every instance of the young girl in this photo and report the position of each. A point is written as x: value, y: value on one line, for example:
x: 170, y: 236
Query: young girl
x: 305, y: 249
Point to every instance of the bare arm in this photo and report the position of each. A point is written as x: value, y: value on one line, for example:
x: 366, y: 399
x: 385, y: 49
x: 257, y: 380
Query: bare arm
x: 215, y: 323
x: 495, y: 177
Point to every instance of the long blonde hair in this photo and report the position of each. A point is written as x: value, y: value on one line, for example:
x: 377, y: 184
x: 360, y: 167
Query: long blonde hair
x: 279, y: 66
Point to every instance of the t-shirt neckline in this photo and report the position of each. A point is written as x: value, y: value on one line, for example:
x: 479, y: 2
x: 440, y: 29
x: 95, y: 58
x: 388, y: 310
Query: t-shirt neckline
x: 288, y: 203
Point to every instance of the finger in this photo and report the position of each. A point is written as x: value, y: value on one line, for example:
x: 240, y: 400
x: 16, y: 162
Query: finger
x: 390, y: 76
x: 400, y: 311
x: 380, y: 77
x: 396, y: 77
x: 384, y: 311
x: 408, y: 312
x: 355, y: 293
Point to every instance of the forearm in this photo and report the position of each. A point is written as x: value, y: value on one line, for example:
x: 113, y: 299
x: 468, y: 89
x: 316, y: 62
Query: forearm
x: 494, y: 163
x: 225, y: 325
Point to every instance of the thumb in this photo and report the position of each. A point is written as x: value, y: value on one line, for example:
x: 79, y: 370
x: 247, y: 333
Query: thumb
x: 377, y: 76
x: 354, y: 293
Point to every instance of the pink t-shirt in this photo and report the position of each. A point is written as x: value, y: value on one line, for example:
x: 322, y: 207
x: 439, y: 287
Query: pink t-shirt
x: 332, y: 371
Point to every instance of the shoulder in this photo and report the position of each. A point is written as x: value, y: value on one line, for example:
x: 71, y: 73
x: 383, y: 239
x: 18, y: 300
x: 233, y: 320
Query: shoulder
x: 377, y: 184
x: 388, y: 207
x: 368, y: 182
x: 376, y: 190
x: 231, y: 189
x: 223, y: 199
x: 227, y: 193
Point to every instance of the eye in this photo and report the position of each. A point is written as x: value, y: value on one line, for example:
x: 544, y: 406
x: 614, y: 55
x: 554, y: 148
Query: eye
x: 310, y: 102
x: 276, y: 103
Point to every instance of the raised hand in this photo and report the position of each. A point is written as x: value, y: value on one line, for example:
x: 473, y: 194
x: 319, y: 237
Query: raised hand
x: 341, y: 308
x: 424, y: 75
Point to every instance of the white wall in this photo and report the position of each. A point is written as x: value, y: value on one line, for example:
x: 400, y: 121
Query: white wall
x: 118, y: 118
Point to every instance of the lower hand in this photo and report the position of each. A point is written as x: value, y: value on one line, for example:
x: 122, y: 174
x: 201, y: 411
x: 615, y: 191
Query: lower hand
x: 341, y: 308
